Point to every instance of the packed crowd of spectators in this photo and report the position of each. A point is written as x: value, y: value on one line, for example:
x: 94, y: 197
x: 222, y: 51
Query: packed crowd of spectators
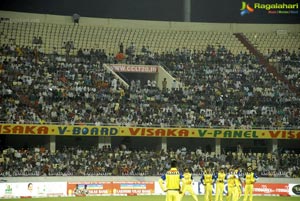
x: 213, y: 88
x: 287, y: 63
x: 122, y: 161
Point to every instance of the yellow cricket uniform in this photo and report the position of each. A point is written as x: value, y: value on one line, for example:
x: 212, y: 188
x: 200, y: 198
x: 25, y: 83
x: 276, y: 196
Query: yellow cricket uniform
x: 231, y: 185
x: 250, y: 179
x: 220, y: 186
x: 172, y: 186
x: 207, y: 181
x: 238, y: 187
x: 187, y: 185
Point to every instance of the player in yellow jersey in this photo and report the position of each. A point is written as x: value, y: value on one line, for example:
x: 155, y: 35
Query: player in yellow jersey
x: 207, y: 180
x: 250, y: 178
x: 238, y: 182
x: 220, y: 178
x: 231, y: 186
x: 170, y: 183
x: 187, y: 184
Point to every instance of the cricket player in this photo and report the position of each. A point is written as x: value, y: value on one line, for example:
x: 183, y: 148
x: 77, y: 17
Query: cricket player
x: 220, y: 178
x: 187, y: 184
x: 250, y: 178
x: 238, y: 182
x: 207, y: 180
x: 170, y: 183
x: 231, y: 186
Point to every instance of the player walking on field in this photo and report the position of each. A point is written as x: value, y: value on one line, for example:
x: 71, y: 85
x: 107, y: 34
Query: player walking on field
x: 170, y: 183
x: 207, y: 180
x: 250, y: 178
x: 187, y: 184
x: 220, y: 178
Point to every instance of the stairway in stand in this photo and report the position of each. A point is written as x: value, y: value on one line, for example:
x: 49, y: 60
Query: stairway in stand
x: 264, y: 61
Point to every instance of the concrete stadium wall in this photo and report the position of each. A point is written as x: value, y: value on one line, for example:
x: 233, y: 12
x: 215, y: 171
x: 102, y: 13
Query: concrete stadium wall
x: 163, y: 25
x: 124, y: 178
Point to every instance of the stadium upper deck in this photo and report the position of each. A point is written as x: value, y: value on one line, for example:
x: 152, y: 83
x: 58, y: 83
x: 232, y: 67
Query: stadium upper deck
x: 232, y: 64
x: 55, y: 31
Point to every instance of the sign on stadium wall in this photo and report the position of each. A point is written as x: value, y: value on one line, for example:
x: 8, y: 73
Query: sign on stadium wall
x: 262, y: 189
x: 96, y: 188
x: 134, y: 68
x: 83, y: 130
x: 113, y: 188
x: 33, y: 189
x: 271, y: 189
x: 294, y: 189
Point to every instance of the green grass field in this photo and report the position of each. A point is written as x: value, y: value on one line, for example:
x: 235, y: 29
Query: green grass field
x: 145, y: 198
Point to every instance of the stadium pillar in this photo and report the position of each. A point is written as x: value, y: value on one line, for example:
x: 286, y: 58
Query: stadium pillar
x: 104, y: 141
x: 52, y: 143
x: 164, y: 143
x: 218, y: 146
x: 187, y: 10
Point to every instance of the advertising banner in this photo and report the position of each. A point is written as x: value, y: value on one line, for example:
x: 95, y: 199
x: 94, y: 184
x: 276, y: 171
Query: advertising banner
x: 32, y: 189
x: 271, y: 189
x: 98, y: 188
x: 294, y: 189
x: 109, y: 188
x: 263, y: 189
x: 134, y: 68
x: 86, y: 130
x: 92, y: 188
x: 144, y: 188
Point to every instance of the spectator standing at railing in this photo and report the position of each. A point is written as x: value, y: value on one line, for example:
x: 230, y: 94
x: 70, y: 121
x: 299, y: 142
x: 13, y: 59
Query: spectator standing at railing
x: 76, y: 18
x: 164, y: 85
x: 121, y: 46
